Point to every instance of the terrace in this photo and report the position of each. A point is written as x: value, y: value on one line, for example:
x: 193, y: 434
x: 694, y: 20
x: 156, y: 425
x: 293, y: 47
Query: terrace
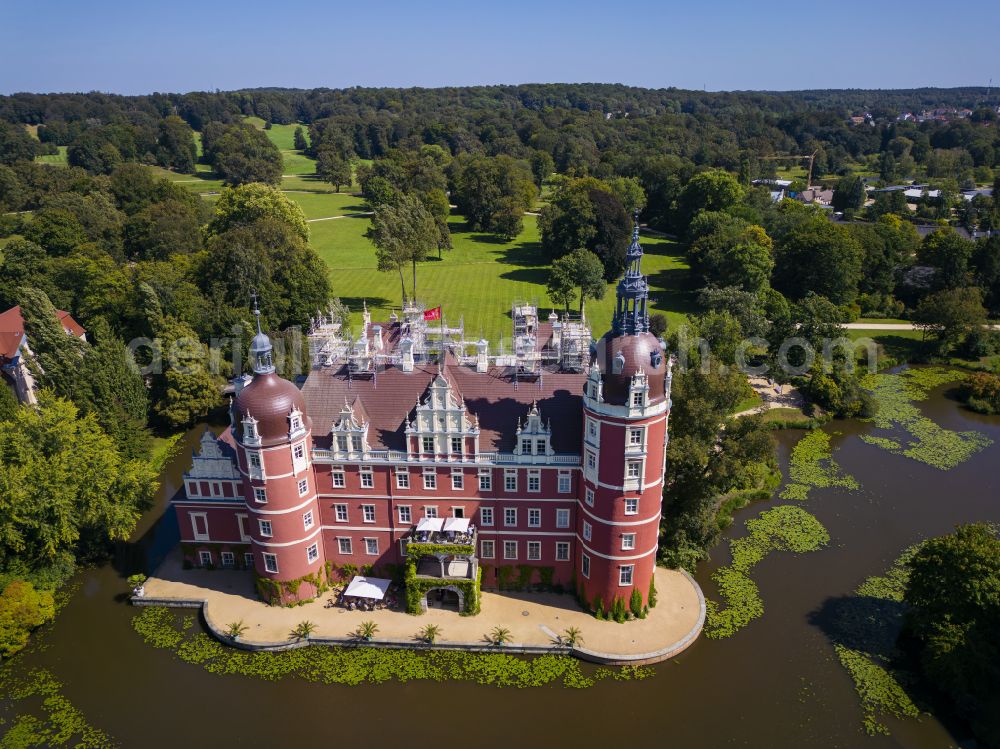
x: 443, y: 548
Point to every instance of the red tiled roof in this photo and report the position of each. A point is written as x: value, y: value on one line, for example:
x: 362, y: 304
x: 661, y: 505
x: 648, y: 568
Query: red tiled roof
x: 12, y: 324
x: 491, y: 397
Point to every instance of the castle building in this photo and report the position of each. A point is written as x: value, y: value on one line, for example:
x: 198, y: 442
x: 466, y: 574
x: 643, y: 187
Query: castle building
x: 411, y: 445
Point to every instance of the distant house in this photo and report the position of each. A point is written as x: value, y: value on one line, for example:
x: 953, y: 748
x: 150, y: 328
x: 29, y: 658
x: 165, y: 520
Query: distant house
x: 15, y: 351
x: 818, y: 197
x: 970, y: 195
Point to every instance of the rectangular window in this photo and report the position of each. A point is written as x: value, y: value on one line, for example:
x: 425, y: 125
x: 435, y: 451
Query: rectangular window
x: 562, y: 518
x: 296, y: 424
x: 633, y: 469
x: 591, y: 460
x: 585, y: 566
x: 540, y: 447
x: 342, y: 443
x: 228, y: 559
x: 625, y: 574
x: 509, y: 516
x: 628, y: 541
x: 340, y: 513
x: 430, y: 511
x: 307, y: 520
x: 338, y: 478
x: 428, y: 444
x: 303, y: 487
x: 525, y: 446
x: 635, y: 437
x: 534, y: 480
x: 260, y: 495
x: 402, y: 478
x: 404, y: 514
x: 588, y: 496
x: 371, y: 546
x: 588, y: 530
x: 458, y: 512
x: 510, y: 479
x: 430, y: 478
x: 248, y: 560
x: 344, y: 545
x: 486, y: 516
x: 562, y: 551
x: 631, y: 506
x: 534, y: 518
x: 485, y: 479
x: 254, y: 459
x: 637, y: 399
x: 510, y: 549
x: 204, y: 558
x: 299, y: 451
x: 265, y: 528
x: 565, y: 482
x: 367, y: 479
x: 456, y: 478
x: 592, y: 430
x: 356, y: 444
x: 312, y: 553
x: 368, y: 513
x: 486, y: 549
x: 456, y: 445
x: 270, y: 562
x: 534, y: 550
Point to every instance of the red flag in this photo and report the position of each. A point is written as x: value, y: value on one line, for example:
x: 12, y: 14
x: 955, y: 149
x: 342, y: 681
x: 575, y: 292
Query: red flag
x: 433, y: 314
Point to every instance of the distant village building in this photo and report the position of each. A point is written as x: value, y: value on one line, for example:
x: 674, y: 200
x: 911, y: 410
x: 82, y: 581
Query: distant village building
x: 817, y: 197
x: 411, y: 444
x: 15, y: 351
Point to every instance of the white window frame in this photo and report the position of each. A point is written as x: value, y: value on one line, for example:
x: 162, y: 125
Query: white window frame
x: 510, y: 479
x: 638, y: 398
x: 308, y: 521
x: 487, y: 548
x: 562, y: 518
x: 562, y: 551
x: 345, y: 545
x: 534, y: 517
x: 588, y: 496
x: 510, y: 517
x: 337, y: 478
x: 270, y: 563
x: 205, y: 557
x: 248, y: 559
x: 405, y: 514
x: 260, y: 495
x: 636, y: 436
x: 457, y: 441
x: 341, y: 513
x: 628, y: 542
x: 593, y: 431
x: 424, y: 442
x: 633, y: 503
x: 227, y: 559
x: 457, y: 479
x: 585, y: 565
x: 430, y: 478
x: 430, y: 511
x: 485, y: 479
x: 626, y: 571
x: 633, y: 470
x: 526, y: 442
x: 299, y: 451
x: 194, y: 526
x: 588, y: 531
x: 303, y: 487
x: 312, y: 553
x: 367, y: 477
x: 266, y: 529
x: 402, y: 478
x: 368, y: 513
x: 486, y: 516
x: 534, y: 551
x: 534, y: 480
x: 510, y: 549
x: 565, y: 483
x: 368, y: 546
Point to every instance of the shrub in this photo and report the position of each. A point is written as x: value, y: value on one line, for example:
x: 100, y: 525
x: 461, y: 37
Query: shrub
x: 635, y: 604
x: 22, y: 609
x: 618, y: 612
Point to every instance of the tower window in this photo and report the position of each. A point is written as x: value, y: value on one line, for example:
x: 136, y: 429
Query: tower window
x: 303, y: 487
x: 635, y: 437
x: 585, y: 566
x: 637, y: 399
x: 307, y: 520
x: 260, y: 495
x: 631, y: 506
x: 270, y: 562
x: 312, y: 553
x: 265, y: 528
x: 628, y: 541
x: 588, y: 530
x: 625, y: 574
x: 588, y: 496
x: 618, y: 364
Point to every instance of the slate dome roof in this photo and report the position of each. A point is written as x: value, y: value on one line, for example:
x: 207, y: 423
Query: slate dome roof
x: 270, y: 399
x: 641, y: 353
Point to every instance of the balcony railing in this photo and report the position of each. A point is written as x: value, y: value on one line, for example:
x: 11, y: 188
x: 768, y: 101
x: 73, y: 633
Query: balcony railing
x: 398, y: 456
x: 439, y: 543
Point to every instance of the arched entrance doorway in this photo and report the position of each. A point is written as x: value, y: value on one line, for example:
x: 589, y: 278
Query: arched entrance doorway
x: 448, y: 598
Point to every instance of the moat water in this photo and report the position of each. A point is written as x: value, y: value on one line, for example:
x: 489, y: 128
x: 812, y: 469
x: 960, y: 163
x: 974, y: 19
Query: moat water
x: 775, y: 684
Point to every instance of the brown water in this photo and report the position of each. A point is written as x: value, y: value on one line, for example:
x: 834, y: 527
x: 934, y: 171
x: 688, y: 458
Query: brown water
x: 775, y: 684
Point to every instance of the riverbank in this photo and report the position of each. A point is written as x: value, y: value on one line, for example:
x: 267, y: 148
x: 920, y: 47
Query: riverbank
x: 535, y: 620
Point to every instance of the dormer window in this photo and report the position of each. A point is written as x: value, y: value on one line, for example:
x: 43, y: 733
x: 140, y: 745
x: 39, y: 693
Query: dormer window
x: 618, y: 364
x: 637, y: 399
x: 295, y: 424
x: 250, y: 433
x: 656, y: 358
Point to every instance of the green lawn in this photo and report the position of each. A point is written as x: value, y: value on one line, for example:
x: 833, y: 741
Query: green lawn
x: 324, y: 204
x: 283, y: 136
x: 901, y: 345
x: 481, y: 276
x: 56, y: 159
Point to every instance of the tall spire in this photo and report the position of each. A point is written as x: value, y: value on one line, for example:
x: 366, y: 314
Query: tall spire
x: 632, y: 305
x: 261, y: 351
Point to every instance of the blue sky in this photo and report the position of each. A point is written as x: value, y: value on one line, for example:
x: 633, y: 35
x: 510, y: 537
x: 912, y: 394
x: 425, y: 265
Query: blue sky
x: 140, y: 46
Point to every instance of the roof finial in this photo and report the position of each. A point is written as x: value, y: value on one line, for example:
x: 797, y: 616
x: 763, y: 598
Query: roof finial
x: 261, y: 351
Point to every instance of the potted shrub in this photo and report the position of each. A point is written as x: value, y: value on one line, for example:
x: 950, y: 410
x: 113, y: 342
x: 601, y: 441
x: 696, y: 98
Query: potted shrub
x: 366, y: 631
x: 429, y: 633
x: 499, y: 636
x: 137, y: 583
x: 235, y: 629
x: 303, y: 629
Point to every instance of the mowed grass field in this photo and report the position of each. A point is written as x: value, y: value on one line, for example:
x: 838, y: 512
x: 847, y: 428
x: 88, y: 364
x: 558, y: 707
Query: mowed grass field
x: 479, y: 278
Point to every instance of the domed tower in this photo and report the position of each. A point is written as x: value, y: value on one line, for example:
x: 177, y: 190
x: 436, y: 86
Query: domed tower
x: 626, y: 405
x: 273, y: 436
